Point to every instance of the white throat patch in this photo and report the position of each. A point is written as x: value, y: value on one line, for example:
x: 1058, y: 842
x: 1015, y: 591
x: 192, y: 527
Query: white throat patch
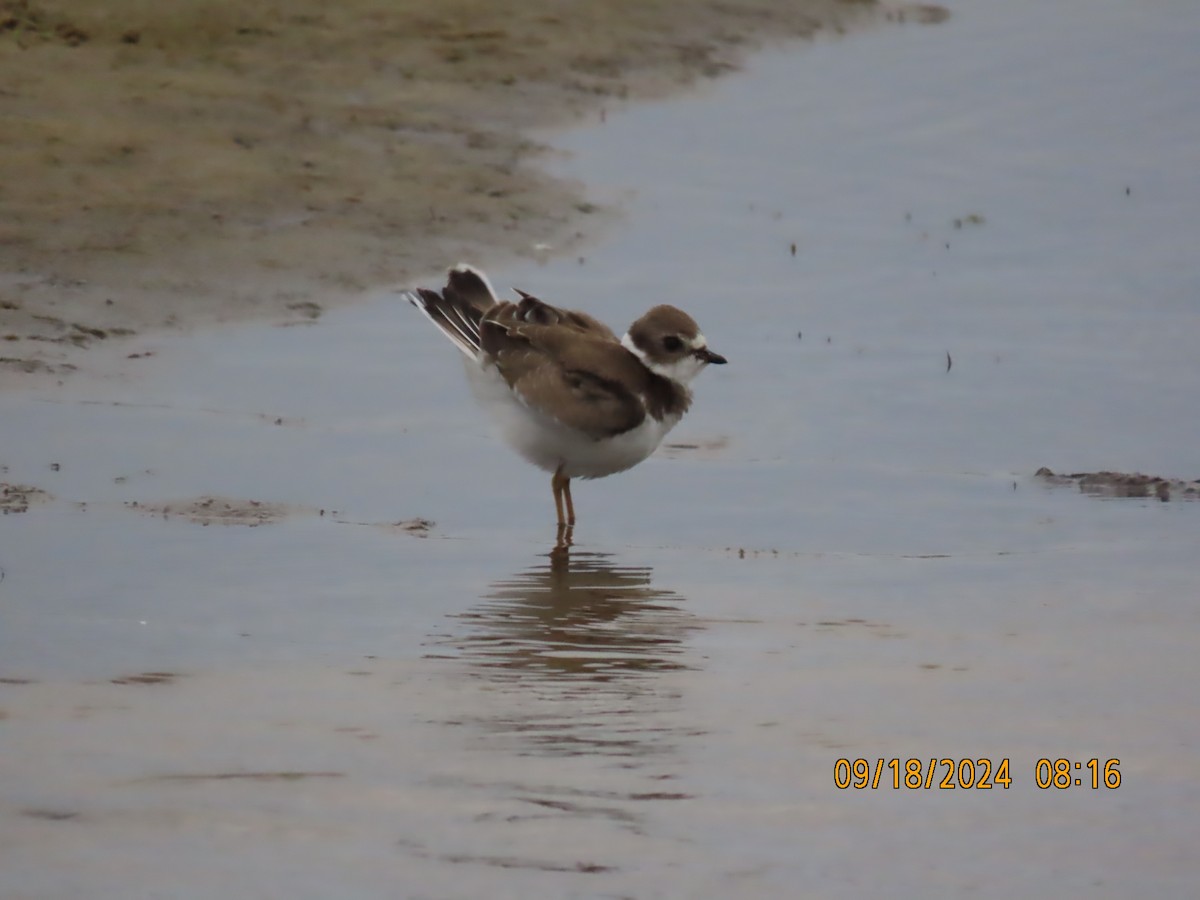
x: 681, y: 371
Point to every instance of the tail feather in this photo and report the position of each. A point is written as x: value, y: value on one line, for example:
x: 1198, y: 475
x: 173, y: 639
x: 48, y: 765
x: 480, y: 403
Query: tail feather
x: 472, y: 287
x: 458, y: 309
x: 454, y: 323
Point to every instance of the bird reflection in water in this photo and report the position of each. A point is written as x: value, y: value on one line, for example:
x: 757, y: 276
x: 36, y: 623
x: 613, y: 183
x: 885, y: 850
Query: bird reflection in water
x: 580, y: 650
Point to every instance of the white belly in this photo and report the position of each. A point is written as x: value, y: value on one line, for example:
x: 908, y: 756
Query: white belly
x: 549, y: 445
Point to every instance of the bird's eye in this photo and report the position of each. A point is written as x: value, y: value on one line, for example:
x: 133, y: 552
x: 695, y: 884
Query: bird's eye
x: 672, y: 344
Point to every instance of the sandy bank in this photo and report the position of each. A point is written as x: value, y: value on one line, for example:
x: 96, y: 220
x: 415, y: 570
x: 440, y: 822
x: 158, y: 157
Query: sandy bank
x: 163, y: 166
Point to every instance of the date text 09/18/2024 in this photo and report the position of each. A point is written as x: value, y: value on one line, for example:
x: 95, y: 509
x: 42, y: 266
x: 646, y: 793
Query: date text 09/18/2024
x: 972, y: 774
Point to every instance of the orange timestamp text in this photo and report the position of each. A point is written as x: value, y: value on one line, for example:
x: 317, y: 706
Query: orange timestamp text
x: 982, y: 774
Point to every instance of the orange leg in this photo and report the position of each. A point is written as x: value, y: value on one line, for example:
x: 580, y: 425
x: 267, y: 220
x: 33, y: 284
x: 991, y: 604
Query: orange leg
x: 570, y: 503
x: 561, y: 485
x: 562, y: 547
x: 558, y: 484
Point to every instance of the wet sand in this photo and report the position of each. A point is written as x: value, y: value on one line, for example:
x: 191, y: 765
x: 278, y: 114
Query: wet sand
x: 162, y: 167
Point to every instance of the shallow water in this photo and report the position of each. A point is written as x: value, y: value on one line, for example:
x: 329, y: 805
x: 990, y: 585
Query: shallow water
x: 853, y: 561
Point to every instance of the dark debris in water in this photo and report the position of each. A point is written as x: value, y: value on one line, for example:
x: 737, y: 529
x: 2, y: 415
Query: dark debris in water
x: 1124, y: 485
x: 245, y: 776
x: 147, y: 678
x: 920, y: 13
x: 50, y: 815
x: 419, y: 527
x: 514, y: 862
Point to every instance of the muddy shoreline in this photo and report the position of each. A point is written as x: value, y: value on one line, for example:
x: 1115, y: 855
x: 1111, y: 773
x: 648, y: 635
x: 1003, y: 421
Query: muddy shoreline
x: 217, y: 162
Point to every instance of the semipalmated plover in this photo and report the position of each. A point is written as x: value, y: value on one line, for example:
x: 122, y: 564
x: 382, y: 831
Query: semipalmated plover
x: 569, y: 396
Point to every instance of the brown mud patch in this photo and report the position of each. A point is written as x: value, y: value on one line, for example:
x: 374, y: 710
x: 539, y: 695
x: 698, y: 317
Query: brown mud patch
x: 214, y: 510
x: 208, y: 510
x: 17, y: 498
x: 168, y: 165
x: 1125, y: 484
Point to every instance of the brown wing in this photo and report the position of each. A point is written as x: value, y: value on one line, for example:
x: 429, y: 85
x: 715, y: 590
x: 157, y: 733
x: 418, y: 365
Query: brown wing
x: 532, y: 311
x: 579, y: 374
x: 582, y: 400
